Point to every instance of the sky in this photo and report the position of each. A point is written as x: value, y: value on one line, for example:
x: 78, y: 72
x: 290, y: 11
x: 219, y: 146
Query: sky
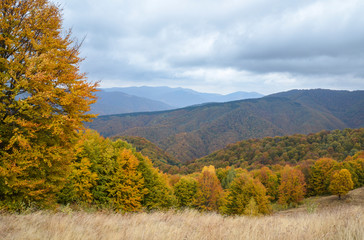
x: 221, y: 46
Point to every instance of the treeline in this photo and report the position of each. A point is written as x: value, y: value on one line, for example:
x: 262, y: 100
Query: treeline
x: 111, y: 174
x: 255, y: 153
x: 236, y: 191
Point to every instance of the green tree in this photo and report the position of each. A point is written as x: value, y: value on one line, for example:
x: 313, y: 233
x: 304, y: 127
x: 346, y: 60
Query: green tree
x: 102, y: 155
x: 240, y: 194
x: 185, y: 191
x: 270, y: 181
x: 226, y: 181
x: 159, y: 194
x: 44, y: 99
x: 341, y: 183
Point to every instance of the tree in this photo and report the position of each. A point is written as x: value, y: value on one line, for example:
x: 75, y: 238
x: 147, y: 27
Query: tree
x: 79, y: 183
x: 246, y: 195
x: 44, y: 99
x: 270, y: 181
x: 158, y: 193
x: 320, y: 175
x: 292, y: 188
x: 341, y: 183
x: 209, y: 190
x: 126, y: 186
x: 226, y: 181
x: 185, y: 191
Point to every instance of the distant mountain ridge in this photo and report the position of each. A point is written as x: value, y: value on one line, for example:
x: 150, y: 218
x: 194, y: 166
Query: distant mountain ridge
x: 181, y: 97
x: 119, y: 102
x: 196, y: 131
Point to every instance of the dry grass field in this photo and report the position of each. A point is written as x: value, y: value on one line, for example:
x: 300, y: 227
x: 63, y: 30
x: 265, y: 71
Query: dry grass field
x: 318, y: 218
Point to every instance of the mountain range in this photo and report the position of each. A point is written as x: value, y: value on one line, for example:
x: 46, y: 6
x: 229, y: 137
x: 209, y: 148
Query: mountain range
x: 148, y: 99
x: 195, y: 131
x: 119, y: 102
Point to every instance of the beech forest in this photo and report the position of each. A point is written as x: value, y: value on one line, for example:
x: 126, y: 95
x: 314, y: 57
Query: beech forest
x: 49, y: 159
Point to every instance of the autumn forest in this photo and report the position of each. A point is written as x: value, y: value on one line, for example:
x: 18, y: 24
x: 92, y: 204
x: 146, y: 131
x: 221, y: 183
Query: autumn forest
x: 244, y: 158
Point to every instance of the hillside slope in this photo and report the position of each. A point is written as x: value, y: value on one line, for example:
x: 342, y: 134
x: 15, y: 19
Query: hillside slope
x: 160, y: 159
x: 196, y: 131
x: 255, y: 153
x: 345, y: 105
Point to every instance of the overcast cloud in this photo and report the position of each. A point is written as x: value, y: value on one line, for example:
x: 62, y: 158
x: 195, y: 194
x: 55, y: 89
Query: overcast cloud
x: 221, y: 45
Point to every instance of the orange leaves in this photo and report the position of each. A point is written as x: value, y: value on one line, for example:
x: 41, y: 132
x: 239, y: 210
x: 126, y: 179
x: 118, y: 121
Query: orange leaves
x: 39, y: 110
x: 292, y: 188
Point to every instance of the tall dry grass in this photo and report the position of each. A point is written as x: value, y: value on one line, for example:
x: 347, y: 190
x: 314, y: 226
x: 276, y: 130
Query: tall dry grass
x: 338, y: 223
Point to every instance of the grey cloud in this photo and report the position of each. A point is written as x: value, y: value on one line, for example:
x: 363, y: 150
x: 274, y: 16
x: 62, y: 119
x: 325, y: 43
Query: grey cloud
x: 151, y: 41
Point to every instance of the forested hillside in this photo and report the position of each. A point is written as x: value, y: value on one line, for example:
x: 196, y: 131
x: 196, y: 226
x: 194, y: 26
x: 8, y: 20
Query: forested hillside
x: 345, y: 105
x: 160, y: 159
x: 194, y: 132
x: 268, y: 151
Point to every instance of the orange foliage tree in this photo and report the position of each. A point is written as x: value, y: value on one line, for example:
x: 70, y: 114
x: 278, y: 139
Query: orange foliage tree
x: 292, y: 188
x: 44, y: 99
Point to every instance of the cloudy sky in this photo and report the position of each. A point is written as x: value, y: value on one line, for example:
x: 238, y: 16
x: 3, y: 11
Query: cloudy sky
x: 221, y: 46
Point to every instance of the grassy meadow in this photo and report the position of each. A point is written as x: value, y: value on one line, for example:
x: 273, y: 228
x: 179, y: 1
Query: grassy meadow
x: 318, y: 218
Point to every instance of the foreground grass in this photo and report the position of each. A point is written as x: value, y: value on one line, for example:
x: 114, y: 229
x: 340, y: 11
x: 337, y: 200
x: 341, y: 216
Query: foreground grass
x: 319, y: 218
x: 336, y: 223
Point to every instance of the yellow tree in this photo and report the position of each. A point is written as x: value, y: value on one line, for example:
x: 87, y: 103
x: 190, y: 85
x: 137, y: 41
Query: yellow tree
x: 320, y: 175
x: 44, y: 99
x: 341, y: 183
x: 209, y: 190
x: 126, y: 186
x: 246, y: 196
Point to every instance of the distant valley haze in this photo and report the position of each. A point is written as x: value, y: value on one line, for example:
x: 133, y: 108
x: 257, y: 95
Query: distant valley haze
x: 147, y: 99
x: 192, y: 132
